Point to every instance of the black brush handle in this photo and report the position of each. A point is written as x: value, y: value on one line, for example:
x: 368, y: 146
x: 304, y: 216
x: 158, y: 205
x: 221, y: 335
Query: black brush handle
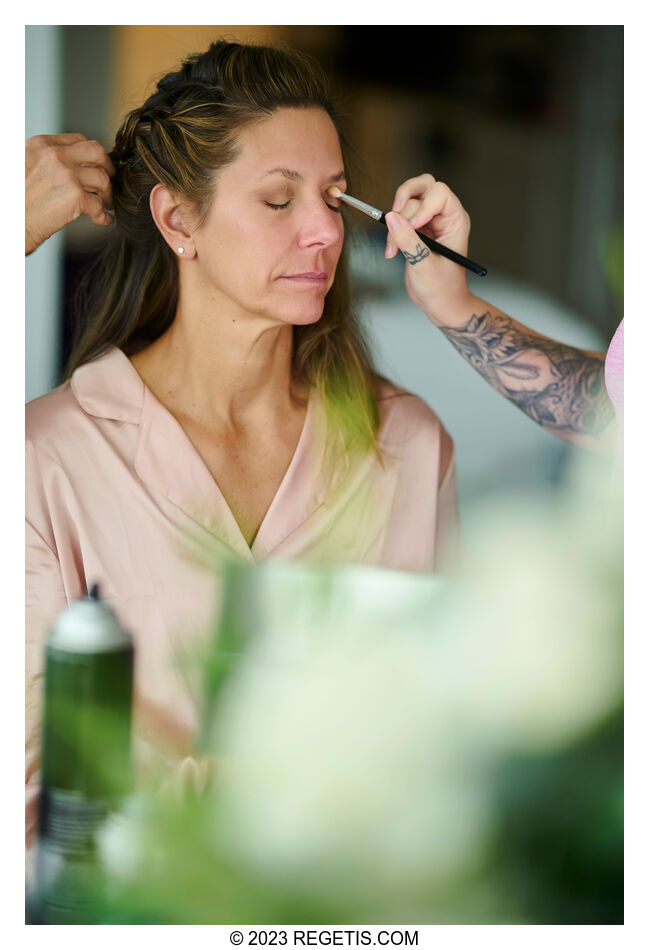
x: 447, y: 252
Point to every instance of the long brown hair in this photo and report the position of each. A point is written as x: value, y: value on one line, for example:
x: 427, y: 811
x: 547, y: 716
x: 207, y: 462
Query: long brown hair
x: 182, y: 136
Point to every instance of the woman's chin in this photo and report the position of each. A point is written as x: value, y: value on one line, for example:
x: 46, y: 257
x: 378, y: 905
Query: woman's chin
x: 306, y: 319
x: 304, y: 316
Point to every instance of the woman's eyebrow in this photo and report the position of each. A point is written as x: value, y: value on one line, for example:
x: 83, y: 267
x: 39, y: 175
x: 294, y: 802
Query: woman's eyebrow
x: 286, y: 172
x: 293, y: 175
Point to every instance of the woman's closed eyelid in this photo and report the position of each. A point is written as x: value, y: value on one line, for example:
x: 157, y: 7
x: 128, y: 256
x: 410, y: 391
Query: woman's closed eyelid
x: 328, y: 198
x: 285, y: 204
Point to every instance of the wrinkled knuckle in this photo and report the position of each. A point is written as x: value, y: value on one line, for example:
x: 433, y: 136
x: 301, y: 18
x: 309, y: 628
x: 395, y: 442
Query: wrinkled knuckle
x: 57, y: 154
x: 78, y: 203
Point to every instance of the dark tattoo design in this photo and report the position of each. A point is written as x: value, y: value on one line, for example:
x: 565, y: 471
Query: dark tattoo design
x: 569, y: 394
x: 420, y: 253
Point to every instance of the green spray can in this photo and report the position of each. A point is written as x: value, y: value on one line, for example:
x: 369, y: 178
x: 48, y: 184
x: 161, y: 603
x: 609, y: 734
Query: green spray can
x: 86, y: 758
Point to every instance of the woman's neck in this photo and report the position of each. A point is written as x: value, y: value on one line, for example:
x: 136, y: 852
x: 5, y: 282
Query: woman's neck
x: 223, y: 370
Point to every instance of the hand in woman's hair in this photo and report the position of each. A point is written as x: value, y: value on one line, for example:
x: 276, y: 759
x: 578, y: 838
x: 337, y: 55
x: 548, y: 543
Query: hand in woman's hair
x: 65, y: 176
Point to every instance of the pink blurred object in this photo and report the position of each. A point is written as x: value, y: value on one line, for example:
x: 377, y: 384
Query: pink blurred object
x: 614, y: 371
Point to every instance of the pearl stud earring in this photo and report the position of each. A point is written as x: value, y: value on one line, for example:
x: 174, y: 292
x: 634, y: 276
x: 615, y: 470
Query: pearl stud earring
x: 181, y: 250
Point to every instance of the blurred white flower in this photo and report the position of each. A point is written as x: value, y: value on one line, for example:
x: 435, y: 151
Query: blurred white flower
x: 363, y: 726
x: 124, y: 844
x: 540, y: 625
x: 340, y: 766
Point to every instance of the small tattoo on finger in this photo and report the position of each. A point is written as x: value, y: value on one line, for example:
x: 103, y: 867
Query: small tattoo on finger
x: 420, y: 253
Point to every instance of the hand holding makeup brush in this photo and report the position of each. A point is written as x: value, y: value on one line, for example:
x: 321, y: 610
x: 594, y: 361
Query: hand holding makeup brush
x: 435, y: 285
x: 560, y: 387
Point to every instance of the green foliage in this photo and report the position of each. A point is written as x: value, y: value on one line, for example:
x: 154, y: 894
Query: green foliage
x: 560, y: 846
x: 612, y: 256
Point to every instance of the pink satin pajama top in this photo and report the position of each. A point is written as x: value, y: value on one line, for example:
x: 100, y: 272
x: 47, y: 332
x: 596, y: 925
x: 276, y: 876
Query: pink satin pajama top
x: 118, y: 495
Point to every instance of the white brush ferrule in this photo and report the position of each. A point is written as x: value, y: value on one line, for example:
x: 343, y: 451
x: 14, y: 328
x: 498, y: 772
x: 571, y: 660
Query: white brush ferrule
x: 362, y: 206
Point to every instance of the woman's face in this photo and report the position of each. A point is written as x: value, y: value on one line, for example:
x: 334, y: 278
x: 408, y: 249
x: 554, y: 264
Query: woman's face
x: 273, y: 235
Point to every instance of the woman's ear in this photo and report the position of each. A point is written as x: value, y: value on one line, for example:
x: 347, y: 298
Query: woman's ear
x: 171, y: 218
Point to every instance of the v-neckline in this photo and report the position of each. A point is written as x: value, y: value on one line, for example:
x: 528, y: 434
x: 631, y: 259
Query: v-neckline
x: 286, y: 475
x: 166, y: 460
x: 160, y: 431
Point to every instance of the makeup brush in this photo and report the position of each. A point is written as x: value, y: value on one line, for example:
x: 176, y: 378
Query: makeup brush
x: 433, y: 245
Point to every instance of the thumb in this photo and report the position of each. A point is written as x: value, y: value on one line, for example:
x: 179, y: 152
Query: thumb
x: 406, y: 238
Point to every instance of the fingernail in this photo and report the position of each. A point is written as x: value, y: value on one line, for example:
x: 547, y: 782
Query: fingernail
x: 394, y: 221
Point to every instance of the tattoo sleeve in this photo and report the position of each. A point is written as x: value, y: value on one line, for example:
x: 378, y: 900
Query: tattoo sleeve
x: 560, y: 387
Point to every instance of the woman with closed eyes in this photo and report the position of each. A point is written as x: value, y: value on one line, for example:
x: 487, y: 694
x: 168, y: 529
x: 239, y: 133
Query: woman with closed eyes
x: 220, y: 395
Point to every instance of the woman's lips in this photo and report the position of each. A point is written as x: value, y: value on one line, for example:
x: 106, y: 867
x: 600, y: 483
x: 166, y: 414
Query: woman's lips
x: 309, y: 277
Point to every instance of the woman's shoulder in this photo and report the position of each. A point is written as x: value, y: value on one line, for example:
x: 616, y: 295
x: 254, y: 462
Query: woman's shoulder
x: 410, y: 429
x: 400, y: 409
x: 47, y: 415
x: 104, y: 388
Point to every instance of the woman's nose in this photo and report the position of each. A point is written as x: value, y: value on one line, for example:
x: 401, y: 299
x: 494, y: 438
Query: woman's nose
x: 320, y: 226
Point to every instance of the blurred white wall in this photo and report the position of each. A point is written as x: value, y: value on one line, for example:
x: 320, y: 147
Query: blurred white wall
x: 43, y: 268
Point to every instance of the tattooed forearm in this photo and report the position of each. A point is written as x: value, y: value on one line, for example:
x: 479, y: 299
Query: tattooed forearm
x: 560, y: 387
